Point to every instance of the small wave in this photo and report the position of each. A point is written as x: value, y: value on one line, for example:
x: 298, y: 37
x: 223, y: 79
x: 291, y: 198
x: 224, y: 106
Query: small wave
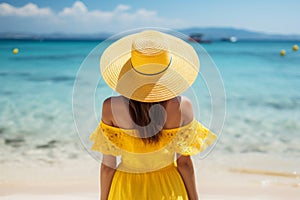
x: 6, y: 93
x: 266, y: 172
x: 50, y: 57
x: 253, y: 150
x: 52, y: 79
x: 4, y: 73
x: 2, y: 130
x: 44, y: 116
x: 34, y: 78
x: 49, y: 145
x: 14, y: 142
x: 282, y: 105
x: 21, y: 74
x: 62, y: 78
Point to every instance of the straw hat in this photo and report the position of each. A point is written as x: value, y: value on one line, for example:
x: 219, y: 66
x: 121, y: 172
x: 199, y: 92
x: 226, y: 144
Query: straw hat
x: 149, y: 66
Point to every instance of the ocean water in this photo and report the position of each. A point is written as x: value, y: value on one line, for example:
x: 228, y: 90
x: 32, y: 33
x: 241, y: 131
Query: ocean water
x: 36, y: 118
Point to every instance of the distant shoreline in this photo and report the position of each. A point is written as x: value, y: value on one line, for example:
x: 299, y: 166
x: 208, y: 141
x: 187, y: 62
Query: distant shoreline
x: 53, y: 39
x: 210, y: 33
x: 102, y: 39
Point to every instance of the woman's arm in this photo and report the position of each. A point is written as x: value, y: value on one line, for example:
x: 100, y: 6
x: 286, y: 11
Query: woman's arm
x: 186, y: 170
x: 107, y: 171
x: 108, y: 165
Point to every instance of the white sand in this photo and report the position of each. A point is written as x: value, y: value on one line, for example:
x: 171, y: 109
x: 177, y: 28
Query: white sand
x: 247, y: 193
x: 51, y: 197
x: 94, y: 196
x: 233, y: 177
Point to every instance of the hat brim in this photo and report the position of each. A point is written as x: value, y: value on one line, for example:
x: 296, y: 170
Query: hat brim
x: 119, y: 74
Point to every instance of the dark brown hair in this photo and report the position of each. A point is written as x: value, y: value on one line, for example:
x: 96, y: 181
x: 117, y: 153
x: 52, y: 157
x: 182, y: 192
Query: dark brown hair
x: 142, y: 113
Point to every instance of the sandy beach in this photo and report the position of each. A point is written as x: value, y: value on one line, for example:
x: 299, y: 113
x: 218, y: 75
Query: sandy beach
x: 219, y: 177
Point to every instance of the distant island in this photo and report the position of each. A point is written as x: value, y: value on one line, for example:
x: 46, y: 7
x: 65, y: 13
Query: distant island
x: 212, y: 33
x: 241, y: 34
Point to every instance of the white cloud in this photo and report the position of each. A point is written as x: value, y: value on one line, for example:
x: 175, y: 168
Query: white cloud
x: 77, y: 8
x: 29, y: 9
x: 146, y: 13
x: 79, y: 19
x: 121, y: 8
x: 79, y: 12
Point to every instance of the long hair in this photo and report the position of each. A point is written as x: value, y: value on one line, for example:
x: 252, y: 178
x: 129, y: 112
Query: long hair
x: 149, y: 119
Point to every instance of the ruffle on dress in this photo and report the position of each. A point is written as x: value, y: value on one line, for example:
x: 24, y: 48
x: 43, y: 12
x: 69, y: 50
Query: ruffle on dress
x: 186, y: 140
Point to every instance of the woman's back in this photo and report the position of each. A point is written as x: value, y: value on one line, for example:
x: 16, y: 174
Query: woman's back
x: 138, y: 155
x: 178, y: 112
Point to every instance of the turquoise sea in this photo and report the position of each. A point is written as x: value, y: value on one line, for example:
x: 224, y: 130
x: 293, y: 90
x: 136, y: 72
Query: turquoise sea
x: 36, y: 119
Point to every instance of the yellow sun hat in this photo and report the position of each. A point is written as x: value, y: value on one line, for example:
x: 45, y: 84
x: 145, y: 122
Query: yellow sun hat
x: 149, y: 66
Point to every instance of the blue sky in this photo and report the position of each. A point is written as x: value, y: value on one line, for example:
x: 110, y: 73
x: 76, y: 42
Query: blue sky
x: 92, y: 16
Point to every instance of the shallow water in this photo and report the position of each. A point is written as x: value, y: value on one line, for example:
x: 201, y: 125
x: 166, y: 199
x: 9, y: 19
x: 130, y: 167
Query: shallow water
x: 262, y: 97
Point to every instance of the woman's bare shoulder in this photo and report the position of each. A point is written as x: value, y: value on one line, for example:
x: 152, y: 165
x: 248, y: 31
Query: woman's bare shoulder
x: 180, y: 108
x: 115, y: 101
x: 186, y: 108
x: 107, y: 113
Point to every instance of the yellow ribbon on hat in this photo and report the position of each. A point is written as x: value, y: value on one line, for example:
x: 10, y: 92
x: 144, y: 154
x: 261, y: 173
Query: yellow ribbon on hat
x: 149, y: 56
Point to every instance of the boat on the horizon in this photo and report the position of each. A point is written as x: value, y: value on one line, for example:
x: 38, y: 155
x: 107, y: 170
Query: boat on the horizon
x: 197, y: 37
x: 229, y: 39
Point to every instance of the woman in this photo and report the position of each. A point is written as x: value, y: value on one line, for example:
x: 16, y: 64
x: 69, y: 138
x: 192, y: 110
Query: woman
x: 150, y: 126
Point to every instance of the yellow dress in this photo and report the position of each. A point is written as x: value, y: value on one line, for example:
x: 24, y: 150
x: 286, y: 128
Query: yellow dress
x: 148, y: 170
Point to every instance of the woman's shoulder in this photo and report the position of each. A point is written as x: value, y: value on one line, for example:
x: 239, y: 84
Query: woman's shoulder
x: 187, y: 111
x: 113, y: 102
x: 179, y: 112
x: 179, y: 101
x: 113, y: 99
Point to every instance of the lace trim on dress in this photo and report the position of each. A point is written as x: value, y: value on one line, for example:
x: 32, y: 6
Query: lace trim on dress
x: 186, y: 140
